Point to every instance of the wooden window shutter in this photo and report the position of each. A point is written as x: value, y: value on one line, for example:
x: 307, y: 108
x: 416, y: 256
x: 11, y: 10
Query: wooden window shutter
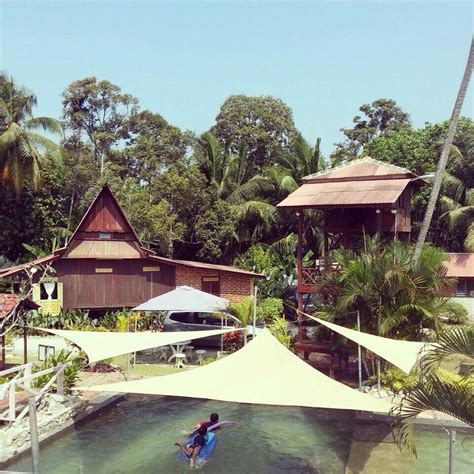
x: 211, y: 284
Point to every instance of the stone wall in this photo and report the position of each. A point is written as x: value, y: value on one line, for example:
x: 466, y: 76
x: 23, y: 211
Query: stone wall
x: 234, y: 286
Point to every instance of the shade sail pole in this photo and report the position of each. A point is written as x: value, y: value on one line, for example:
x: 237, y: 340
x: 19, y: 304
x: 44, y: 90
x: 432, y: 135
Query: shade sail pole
x: 359, y: 353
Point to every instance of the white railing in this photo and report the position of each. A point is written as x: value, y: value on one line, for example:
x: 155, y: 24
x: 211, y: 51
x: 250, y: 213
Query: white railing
x: 23, y: 380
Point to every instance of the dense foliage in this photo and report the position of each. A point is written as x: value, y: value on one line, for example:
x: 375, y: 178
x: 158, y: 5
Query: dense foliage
x: 394, y: 296
x: 211, y: 197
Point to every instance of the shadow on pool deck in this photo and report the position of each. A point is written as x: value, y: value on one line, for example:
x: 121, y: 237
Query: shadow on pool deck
x: 373, y: 450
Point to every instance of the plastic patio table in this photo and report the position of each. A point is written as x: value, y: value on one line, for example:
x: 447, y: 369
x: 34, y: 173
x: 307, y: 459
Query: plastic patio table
x: 177, y: 349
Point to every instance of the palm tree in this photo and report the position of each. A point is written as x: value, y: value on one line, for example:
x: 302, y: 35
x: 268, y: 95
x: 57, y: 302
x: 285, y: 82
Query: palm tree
x: 445, y: 153
x: 243, y: 311
x: 393, y: 295
x: 291, y: 168
x: 238, y: 181
x: 453, y: 395
x: 21, y: 146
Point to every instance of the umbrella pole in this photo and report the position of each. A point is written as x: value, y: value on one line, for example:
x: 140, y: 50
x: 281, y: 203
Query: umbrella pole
x: 222, y: 335
x: 128, y: 355
x: 359, y: 353
x: 255, y: 311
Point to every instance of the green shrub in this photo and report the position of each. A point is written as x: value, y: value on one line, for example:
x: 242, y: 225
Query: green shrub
x: 280, y: 330
x: 395, y: 380
x: 208, y: 360
x: 71, y: 372
x: 268, y: 309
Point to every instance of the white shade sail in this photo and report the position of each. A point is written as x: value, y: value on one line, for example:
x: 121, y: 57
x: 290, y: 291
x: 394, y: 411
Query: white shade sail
x: 402, y: 354
x: 184, y: 298
x: 103, y: 345
x: 262, y: 372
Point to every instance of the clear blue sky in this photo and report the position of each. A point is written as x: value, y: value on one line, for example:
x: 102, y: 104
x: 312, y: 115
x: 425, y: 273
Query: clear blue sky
x: 182, y: 60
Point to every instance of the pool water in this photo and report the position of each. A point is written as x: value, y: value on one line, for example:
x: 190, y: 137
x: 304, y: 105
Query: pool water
x: 138, y: 435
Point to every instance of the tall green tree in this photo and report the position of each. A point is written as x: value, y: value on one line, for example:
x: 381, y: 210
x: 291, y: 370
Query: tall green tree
x: 98, y: 113
x: 264, y: 125
x: 153, y: 146
x: 381, y: 117
x: 445, y: 153
x: 22, y: 148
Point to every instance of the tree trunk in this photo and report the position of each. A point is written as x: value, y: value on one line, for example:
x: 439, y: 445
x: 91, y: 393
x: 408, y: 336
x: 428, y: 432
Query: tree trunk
x: 445, y: 153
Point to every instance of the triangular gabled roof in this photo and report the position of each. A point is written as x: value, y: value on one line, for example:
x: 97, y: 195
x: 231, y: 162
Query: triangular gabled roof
x: 105, y: 215
x: 363, y: 169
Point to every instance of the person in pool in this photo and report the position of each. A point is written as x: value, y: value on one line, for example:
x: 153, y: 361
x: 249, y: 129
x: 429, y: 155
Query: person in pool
x: 192, y: 450
x: 213, y: 419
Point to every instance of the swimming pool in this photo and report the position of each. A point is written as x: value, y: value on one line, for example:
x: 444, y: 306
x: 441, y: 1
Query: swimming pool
x: 137, y: 436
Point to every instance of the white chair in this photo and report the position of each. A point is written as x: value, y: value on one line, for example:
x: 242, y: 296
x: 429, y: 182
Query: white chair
x: 179, y: 360
x: 200, y: 355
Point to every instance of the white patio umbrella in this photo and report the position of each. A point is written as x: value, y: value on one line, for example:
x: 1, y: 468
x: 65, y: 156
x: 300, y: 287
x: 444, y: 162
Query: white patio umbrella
x: 185, y: 298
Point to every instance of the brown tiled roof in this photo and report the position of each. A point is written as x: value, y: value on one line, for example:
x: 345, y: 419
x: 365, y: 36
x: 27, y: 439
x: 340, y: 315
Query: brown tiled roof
x: 209, y: 266
x: 460, y: 265
x: 346, y: 193
x: 362, y: 169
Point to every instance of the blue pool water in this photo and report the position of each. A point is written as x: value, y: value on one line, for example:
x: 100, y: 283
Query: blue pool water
x: 137, y: 436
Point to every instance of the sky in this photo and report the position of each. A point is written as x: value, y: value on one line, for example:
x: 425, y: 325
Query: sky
x: 183, y: 59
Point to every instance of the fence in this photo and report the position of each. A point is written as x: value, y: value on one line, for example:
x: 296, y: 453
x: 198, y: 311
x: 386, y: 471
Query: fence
x: 23, y: 380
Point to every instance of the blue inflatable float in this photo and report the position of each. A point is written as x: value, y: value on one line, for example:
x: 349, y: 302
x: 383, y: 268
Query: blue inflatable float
x: 206, y: 450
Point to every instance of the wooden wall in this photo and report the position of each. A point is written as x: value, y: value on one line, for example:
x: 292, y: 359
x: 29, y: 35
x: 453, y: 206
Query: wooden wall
x: 88, y: 283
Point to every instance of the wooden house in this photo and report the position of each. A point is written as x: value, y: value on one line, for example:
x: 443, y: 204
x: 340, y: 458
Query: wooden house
x: 364, y: 196
x: 105, y: 267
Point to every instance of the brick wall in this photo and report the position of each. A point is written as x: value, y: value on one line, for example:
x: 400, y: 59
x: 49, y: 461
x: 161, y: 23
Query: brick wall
x: 234, y: 287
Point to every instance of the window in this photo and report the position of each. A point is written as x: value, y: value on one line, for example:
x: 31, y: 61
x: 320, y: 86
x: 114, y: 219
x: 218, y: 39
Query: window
x: 465, y: 288
x: 211, y: 284
x: 105, y: 235
x: 181, y: 317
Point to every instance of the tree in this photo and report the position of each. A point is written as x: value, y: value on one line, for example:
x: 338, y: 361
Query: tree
x: 154, y: 145
x: 291, y: 167
x: 381, y: 117
x: 264, y: 125
x: 418, y: 151
x: 445, y: 153
x: 22, y: 148
x: 452, y: 395
x: 34, y: 217
x: 97, y: 111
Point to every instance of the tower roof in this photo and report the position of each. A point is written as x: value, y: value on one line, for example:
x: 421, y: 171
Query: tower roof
x: 363, y: 169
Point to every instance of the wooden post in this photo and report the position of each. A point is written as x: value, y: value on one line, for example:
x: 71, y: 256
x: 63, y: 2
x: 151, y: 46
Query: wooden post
x: 27, y: 376
x: 326, y: 244
x: 2, y: 343
x: 60, y: 383
x: 12, y: 402
x: 299, y: 267
x: 34, y: 434
x: 25, y: 339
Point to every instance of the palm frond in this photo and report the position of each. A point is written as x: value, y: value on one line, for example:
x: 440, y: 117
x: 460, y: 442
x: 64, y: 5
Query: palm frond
x: 452, y: 341
x: 48, y: 124
x: 10, y: 136
x: 451, y: 397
